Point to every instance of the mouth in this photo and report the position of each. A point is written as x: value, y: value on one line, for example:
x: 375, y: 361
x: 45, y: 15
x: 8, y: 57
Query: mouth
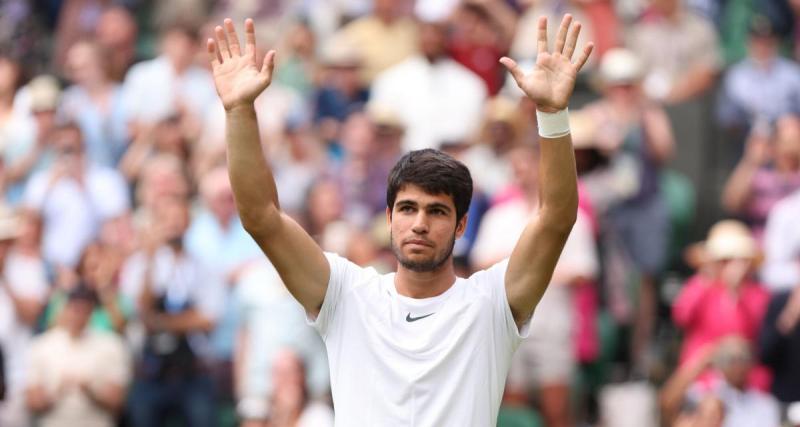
x: 418, y: 242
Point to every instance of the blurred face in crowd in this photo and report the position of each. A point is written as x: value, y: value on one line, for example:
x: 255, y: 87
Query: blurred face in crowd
x: 432, y: 38
x: 524, y: 164
x: 30, y: 229
x: 624, y: 93
x: 357, y: 136
x: 735, y: 361
x: 77, y: 313
x: 763, y: 48
x: 179, y: 46
x: 423, y: 228
x: 68, y: 143
x: 324, y: 204
x: 287, y: 371
x: 168, y: 136
x: 85, y: 64
x: 117, y: 30
x: 172, y: 217
x: 669, y: 8
x: 301, y: 40
x: 218, y: 195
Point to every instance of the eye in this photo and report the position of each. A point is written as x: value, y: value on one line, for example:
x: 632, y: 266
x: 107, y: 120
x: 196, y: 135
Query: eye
x: 438, y: 212
x: 405, y: 208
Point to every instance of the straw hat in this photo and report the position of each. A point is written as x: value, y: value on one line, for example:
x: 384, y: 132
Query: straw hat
x: 45, y: 93
x: 730, y: 239
x: 620, y: 66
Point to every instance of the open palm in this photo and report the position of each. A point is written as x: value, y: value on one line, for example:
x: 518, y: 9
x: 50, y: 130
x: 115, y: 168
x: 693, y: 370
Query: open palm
x: 552, y: 80
x: 239, y: 80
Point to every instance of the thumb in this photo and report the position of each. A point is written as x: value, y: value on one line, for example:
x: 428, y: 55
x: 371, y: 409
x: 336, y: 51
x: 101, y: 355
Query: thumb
x: 513, y: 68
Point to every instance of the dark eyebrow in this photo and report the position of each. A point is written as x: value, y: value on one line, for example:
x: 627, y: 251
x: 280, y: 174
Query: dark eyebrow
x: 400, y: 203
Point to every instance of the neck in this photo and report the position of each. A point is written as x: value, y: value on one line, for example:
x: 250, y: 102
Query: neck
x: 427, y: 284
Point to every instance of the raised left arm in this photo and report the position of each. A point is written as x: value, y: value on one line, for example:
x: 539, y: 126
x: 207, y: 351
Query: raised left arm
x: 550, y: 86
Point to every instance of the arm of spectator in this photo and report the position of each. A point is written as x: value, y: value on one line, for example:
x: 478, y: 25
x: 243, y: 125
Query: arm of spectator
x: 781, y: 268
x: 696, y: 81
x: 37, y: 399
x: 739, y: 185
x: 110, y: 397
x: 180, y: 323
x: 240, y: 360
x: 131, y: 163
x: 689, y: 302
x: 27, y: 309
x: 674, y: 391
x: 550, y: 86
x: 300, y: 262
x: 658, y: 130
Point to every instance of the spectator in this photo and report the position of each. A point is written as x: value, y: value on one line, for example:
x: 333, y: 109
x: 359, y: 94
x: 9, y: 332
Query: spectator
x: 217, y: 239
x: 117, y: 33
x: 95, y: 103
x: 23, y: 291
x: 763, y: 86
x: 688, y: 65
x: 263, y: 302
x: 437, y: 98
x: 768, y: 172
x: 170, y: 83
x: 74, y: 198
x: 547, y: 359
x: 290, y: 405
x: 481, y: 34
x: 743, y: 406
x: 179, y: 302
x: 385, y: 26
x: 341, y: 92
x: 26, y: 156
x: 297, y: 67
x: 78, y: 376
x: 488, y: 159
x: 779, y: 344
x: 165, y: 137
x: 722, y: 298
x: 781, y: 270
x: 97, y: 270
x: 636, y: 132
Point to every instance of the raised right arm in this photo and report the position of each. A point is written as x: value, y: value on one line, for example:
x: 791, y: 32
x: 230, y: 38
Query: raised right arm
x: 297, y: 258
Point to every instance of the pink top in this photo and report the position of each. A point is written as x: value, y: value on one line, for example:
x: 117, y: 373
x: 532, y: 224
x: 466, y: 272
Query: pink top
x: 709, y: 311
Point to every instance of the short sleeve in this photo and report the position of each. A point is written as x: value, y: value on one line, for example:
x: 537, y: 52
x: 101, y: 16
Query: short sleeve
x: 343, y: 274
x: 494, y: 279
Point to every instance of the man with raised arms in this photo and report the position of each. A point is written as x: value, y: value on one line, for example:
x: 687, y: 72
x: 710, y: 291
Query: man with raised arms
x: 419, y: 347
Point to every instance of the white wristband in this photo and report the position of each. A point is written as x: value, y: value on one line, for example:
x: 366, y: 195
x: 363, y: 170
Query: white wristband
x: 553, y: 125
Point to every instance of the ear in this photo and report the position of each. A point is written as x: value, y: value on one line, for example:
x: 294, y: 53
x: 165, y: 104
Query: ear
x: 388, y: 217
x: 461, y: 226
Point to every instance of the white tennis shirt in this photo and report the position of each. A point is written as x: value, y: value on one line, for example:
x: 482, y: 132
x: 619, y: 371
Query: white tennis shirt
x: 400, y: 361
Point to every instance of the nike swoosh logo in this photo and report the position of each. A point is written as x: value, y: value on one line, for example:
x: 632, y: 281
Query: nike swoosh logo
x: 414, y: 319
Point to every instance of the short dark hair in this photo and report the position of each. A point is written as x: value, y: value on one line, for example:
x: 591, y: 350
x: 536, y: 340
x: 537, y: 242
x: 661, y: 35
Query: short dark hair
x: 436, y: 173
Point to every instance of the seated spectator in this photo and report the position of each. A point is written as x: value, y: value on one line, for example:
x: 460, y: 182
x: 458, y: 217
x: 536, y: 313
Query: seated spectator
x: 762, y: 87
x: 743, y: 406
x: 78, y: 376
x: 687, y: 65
x: 291, y: 405
x: 167, y: 137
x: 781, y: 269
x: 341, y: 92
x: 437, y: 98
x: 636, y: 133
x: 171, y: 83
x: 546, y: 360
x: 385, y: 26
x: 779, y: 344
x: 481, y: 34
x: 117, y: 33
x: 23, y: 292
x: 95, y: 103
x: 722, y: 298
x: 98, y: 270
x: 263, y: 302
x: 74, y: 198
x: 768, y: 172
x: 487, y: 159
x: 296, y: 69
x: 178, y: 302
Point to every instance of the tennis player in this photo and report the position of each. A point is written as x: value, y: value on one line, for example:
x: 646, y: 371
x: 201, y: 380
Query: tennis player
x: 419, y: 347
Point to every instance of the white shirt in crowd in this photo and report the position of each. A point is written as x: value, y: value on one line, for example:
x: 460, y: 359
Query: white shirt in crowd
x: 27, y: 279
x: 152, y: 91
x: 56, y: 359
x: 395, y: 360
x: 73, y: 213
x: 781, y: 270
x: 437, y: 102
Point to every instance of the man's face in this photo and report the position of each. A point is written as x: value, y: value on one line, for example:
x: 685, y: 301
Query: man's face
x: 68, y: 143
x: 423, y: 228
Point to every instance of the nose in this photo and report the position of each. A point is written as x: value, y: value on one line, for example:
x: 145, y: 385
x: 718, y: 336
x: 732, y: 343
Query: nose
x: 420, y: 225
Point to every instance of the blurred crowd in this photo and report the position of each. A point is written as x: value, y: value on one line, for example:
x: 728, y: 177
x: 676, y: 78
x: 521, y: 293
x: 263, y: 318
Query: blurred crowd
x: 131, y: 295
